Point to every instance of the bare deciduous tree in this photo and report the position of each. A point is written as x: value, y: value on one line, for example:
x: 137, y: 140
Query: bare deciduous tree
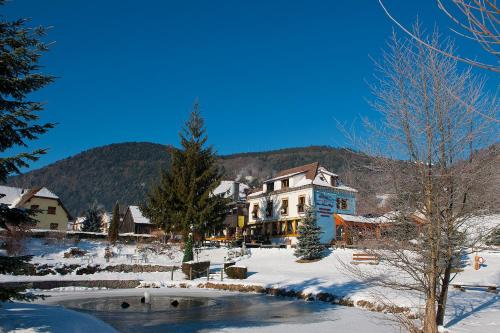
x: 477, y: 20
x: 438, y: 186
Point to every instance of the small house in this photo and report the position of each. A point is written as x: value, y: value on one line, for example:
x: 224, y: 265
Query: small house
x: 52, y: 215
x: 134, y: 222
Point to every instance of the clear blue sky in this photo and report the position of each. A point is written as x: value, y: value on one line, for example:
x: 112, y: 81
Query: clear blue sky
x: 268, y: 74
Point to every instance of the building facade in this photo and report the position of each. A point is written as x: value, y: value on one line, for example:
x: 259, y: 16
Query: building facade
x: 277, y: 209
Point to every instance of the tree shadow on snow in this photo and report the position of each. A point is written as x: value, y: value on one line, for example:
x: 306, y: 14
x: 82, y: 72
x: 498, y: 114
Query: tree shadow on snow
x: 337, y: 289
x: 462, y: 311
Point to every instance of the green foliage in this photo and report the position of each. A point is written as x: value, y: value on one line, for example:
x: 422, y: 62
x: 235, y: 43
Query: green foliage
x: 16, y: 266
x: 188, y: 249
x: 183, y: 198
x: 17, y: 294
x: 114, y: 227
x: 309, y: 242
x: 20, y: 50
x: 93, y: 219
x: 16, y: 217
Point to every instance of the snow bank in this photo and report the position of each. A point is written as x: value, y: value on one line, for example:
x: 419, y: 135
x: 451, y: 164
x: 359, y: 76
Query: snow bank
x: 23, y: 317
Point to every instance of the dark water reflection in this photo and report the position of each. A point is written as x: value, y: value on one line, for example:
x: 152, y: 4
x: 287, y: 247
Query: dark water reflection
x: 195, y: 313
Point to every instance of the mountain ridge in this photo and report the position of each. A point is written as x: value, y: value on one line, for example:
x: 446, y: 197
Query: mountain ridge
x: 125, y: 171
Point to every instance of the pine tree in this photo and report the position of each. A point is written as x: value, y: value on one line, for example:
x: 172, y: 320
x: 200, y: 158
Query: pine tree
x: 188, y: 249
x: 93, y: 219
x: 20, y: 50
x: 309, y: 244
x: 184, y: 196
x: 115, y: 224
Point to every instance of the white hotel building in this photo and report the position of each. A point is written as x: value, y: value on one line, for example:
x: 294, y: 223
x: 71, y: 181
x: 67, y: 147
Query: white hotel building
x: 276, y: 210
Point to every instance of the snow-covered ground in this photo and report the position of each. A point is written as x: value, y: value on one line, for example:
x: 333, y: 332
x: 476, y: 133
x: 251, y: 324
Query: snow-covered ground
x: 472, y: 311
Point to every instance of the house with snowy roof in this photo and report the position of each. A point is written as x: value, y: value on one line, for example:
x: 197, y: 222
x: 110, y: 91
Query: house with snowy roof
x: 52, y: 214
x: 135, y: 223
x: 276, y: 209
x: 237, y: 210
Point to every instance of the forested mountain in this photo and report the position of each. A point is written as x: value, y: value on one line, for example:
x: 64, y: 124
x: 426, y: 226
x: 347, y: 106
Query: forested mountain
x: 125, y: 171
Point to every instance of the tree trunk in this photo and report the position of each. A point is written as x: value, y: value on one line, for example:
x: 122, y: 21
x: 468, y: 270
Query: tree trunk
x: 443, y: 295
x: 430, y: 314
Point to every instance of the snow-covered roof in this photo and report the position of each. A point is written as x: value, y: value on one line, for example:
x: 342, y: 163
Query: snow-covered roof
x: 137, y: 215
x: 256, y: 193
x: 387, y: 218
x: 322, y: 169
x: 345, y: 188
x: 12, y: 195
x: 226, y: 188
x: 46, y: 193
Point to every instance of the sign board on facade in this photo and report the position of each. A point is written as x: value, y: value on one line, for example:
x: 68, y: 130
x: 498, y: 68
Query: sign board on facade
x: 241, y: 221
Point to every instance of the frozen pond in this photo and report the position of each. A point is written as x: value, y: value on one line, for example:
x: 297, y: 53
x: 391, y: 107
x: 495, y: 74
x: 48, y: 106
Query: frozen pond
x: 193, y: 314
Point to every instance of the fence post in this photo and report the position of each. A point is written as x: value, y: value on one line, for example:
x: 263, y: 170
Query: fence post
x: 222, y: 270
x: 208, y: 273
x: 190, y: 272
x: 172, y: 273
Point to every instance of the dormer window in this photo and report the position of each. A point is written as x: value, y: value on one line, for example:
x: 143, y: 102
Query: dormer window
x: 270, y: 186
x: 285, y: 183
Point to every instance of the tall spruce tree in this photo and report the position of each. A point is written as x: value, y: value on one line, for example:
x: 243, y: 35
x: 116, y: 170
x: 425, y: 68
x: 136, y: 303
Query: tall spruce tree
x: 184, y: 197
x: 309, y: 244
x: 20, y: 50
x: 115, y: 224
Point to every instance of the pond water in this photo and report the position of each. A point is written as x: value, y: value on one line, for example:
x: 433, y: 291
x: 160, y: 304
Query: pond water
x: 193, y: 314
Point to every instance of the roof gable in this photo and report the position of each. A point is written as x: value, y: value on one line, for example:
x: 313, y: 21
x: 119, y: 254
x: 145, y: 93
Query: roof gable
x: 137, y: 216
x: 310, y: 171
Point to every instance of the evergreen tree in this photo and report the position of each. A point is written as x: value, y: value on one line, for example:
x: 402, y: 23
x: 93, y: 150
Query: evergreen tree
x: 93, y: 219
x: 309, y: 244
x: 188, y: 249
x: 20, y: 50
x: 184, y: 195
x: 115, y: 224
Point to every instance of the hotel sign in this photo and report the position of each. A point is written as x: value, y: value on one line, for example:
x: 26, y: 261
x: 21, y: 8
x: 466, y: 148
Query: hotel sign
x: 325, y: 203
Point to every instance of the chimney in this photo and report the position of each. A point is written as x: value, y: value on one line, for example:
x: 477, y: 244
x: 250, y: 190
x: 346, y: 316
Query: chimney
x: 236, y: 191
